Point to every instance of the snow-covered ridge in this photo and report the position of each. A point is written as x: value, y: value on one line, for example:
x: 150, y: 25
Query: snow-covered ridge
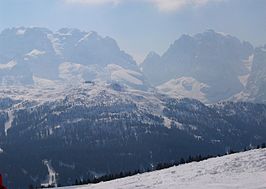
x: 245, y: 170
x: 68, y: 54
x: 89, y: 93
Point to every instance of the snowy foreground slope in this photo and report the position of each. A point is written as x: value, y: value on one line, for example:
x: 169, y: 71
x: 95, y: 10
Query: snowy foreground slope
x: 245, y: 170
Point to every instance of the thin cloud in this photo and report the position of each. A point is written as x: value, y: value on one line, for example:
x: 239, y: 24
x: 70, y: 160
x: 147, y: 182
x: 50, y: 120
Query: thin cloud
x: 173, y: 5
x: 94, y: 2
x: 162, y: 5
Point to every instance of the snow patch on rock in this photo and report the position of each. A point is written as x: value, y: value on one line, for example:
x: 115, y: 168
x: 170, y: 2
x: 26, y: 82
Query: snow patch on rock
x: 119, y: 73
x: 86, y: 36
x: 184, y: 87
x: 43, y: 82
x: 8, y: 65
x: 55, y: 43
x: 21, y: 31
x: 35, y: 52
x: 8, y: 124
x: 248, y: 65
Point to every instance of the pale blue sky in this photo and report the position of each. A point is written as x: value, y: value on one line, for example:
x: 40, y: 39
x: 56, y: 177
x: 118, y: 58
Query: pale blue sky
x: 140, y: 26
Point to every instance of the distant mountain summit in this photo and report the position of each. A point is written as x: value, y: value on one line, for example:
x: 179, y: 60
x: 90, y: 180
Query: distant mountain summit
x: 256, y: 81
x: 208, y: 66
x: 217, y: 64
x: 65, y: 55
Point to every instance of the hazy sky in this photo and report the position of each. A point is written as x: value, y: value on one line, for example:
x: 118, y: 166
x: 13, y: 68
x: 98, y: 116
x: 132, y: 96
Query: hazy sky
x: 140, y: 26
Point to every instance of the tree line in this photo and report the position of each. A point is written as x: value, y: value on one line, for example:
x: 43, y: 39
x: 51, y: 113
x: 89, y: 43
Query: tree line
x: 159, y: 166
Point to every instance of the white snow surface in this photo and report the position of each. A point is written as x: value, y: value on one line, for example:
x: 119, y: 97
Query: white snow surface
x: 71, y: 72
x: 86, y: 36
x: 8, y: 124
x: 35, y: 53
x: 248, y: 64
x: 51, y: 179
x: 119, y: 73
x: 74, y: 72
x: 21, y: 31
x: 43, y: 82
x: 34, y: 93
x: 55, y: 43
x: 184, y: 87
x: 8, y: 65
x: 245, y: 170
x: 88, y: 93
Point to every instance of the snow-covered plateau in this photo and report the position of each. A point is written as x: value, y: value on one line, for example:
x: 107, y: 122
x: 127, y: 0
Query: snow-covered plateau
x: 245, y: 170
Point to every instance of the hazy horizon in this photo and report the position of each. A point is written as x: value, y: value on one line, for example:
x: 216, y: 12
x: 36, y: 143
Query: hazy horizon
x: 144, y: 25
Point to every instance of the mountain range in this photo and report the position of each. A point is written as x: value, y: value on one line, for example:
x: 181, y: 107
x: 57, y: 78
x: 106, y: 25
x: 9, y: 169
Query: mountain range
x: 68, y: 55
x: 208, y: 66
x: 74, y: 105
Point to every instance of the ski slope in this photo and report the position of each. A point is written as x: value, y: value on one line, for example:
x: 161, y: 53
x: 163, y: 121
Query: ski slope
x: 51, y: 179
x: 245, y: 170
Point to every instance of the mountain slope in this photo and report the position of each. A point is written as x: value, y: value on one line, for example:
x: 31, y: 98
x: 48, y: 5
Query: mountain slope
x: 113, y: 128
x: 256, y: 84
x: 213, y: 59
x: 246, y: 170
x: 185, y: 87
x: 208, y: 66
x: 67, y: 55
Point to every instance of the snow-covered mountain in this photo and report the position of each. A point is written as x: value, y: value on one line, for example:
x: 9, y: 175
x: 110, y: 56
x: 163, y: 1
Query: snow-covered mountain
x: 243, y: 170
x: 214, y: 63
x: 184, y: 87
x: 112, y: 127
x: 256, y: 82
x: 67, y: 55
x: 73, y: 92
x: 208, y: 66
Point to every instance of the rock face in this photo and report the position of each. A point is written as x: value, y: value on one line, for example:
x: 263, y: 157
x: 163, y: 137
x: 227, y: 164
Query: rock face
x: 96, y: 128
x: 27, y: 54
x: 213, y: 59
x: 256, y: 86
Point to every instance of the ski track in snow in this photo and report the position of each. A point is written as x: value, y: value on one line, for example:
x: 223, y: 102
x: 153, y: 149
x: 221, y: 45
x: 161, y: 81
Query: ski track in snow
x: 51, y: 181
x: 246, y: 170
x: 8, y: 124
